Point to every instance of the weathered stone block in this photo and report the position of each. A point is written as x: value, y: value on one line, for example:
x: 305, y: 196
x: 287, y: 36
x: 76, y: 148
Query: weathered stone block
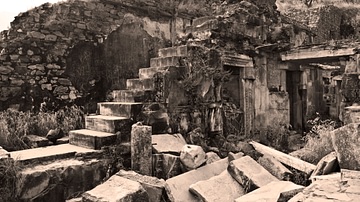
x: 91, y: 139
x: 110, y: 124
x: 328, y: 164
x: 249, y: 173
x: 166, y: 166
x: 271, y: 192
x: 122, y: 109
x: 141, y: 149
x: 178, y: 187
x: 232, y: 156
x: 222, y: 187
x: 133, y: 96
x: 275, y: 167
x: 6, y: 69
x: 140, y: 84
x: 116, y: 189
x: 346, y: 141
x: 168, y: 143
x: 154, y: 187
x: 192, y: 156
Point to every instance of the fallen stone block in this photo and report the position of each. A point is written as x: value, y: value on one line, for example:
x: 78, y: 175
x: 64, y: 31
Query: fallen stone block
x: 116, y: 188
x: 328, y: 164
x: 272, y: 192
x: 346, y: 141
x: 249, y: 173
x: 285, y: 158
x: 63, y: 140
x: 166, y: 166
x: 177, y: 187
x: 153, y: 186
x: 168, y: 143
x: 222, y: 187
x: 35, y: 141
x: 211, y: 157
x: 141, y: 149
x: 275, y: 167
x: 192, y: 156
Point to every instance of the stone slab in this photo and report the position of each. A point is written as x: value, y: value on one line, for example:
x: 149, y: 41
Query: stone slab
x: 91, y: 139
x: 140, y: 84
x: 222, y: 187
x: 168, y: 143
x: 275, y: 167
x: 346, y: 141
x: 108, y: 124
x: 37, y: 141
x: 249, y: 173
x: 116, y: 188
x: 270, y: 192
x: 178, y: 187
x: 154, y: 187
x: 48, y: 153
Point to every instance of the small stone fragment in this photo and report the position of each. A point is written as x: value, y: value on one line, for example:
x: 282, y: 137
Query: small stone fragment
x: 328, y: 164
x: 192, y: 156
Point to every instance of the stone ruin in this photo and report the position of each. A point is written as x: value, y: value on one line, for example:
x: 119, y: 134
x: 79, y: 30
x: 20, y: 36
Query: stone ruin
x: 161, y: 80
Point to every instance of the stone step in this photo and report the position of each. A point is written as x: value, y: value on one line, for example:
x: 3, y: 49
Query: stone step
x: 166, y: 61
x: 109, y: 124
x: 173, y: 51
x: 122, y: 109
x: 91, y: 139
x: 146, y: 73
x: 48, y: 153
x: 133, y: 96
x: 140, y: 84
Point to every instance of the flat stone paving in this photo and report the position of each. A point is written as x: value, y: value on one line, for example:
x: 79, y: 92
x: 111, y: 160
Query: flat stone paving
x: 49, y: 153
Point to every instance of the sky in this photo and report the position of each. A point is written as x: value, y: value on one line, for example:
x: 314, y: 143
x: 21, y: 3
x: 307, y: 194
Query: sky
x: 11, y: 8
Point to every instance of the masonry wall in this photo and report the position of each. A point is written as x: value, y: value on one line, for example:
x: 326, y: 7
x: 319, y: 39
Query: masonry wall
x: 69, y: 51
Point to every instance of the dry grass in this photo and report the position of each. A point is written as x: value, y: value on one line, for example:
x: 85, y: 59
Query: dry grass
x: 15, y: 125
x: 8, y: 177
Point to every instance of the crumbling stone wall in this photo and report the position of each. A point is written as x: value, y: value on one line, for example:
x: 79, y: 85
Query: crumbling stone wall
x: 58, y: 50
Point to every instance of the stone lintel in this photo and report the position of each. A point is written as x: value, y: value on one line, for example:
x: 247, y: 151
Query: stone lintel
x: 316, y: 53
x: 237, y: 60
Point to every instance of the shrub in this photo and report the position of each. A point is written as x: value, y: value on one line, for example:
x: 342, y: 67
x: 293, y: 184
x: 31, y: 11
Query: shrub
x: 15, y: 125
x: 318, y: 140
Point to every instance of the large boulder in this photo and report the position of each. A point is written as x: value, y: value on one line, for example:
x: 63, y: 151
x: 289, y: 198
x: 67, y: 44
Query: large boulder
x: 346, y: 141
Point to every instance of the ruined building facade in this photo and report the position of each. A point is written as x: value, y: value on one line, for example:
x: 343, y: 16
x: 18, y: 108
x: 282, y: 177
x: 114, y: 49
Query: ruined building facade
x: 81, y: 51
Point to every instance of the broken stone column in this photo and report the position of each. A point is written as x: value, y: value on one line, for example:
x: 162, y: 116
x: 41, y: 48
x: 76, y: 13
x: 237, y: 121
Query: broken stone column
x: 141, y: 149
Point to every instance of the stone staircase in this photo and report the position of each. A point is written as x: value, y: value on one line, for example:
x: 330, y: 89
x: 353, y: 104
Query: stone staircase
x: 114, y: 119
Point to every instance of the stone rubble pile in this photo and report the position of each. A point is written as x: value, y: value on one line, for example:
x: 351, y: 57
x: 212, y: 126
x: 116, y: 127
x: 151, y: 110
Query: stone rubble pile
x: 274, y: 176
